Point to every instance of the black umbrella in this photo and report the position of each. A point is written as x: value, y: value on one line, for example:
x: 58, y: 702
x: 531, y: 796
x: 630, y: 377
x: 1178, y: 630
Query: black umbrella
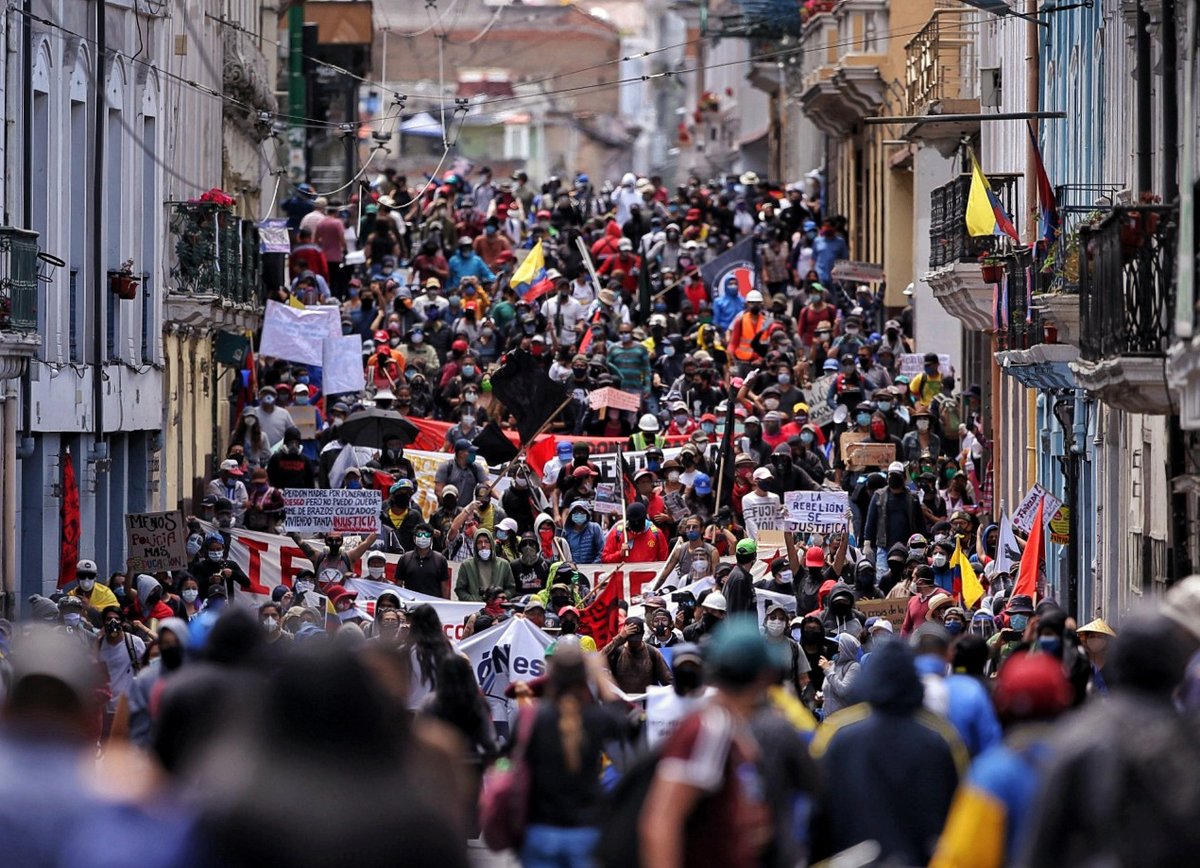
x: 371, y: 427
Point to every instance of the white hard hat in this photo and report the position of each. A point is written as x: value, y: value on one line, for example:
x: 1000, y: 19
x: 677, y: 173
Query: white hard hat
x: 754, y: 296
x: 715, y: 601
x: 648, y: 423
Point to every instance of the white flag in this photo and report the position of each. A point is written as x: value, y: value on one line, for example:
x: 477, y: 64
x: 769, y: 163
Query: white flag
x: 1008, y: 551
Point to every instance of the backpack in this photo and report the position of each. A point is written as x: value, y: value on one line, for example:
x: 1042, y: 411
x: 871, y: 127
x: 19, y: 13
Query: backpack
x: 619, y: 845
x: 948, y: 415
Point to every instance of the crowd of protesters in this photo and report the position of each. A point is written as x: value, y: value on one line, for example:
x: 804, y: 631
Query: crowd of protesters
x: 807, y: 727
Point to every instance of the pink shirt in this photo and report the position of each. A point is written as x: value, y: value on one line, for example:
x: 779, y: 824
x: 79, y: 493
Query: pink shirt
x: 330, y: 236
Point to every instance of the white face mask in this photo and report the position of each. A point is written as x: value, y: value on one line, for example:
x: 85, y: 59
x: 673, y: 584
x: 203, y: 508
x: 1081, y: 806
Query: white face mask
x: 484, y: 554
x: 71, y: 619
x: 376, y: 572
x: 86, y: 585
x: 673, y: 476
x: 785, y: 577
x: 922, y: 424
x: 939, y: 561
x: 270, y: 623
x: 776, y: 627
x: 190, y: 594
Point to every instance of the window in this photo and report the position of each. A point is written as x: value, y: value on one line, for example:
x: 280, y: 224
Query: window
x: 148, y: 254
x: 80, y: 253
x: 516, y: 141
x: 115, y: 249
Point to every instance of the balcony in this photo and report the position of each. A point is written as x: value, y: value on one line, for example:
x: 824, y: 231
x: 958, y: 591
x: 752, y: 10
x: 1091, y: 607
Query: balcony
x: 842, y: 51
x: 1127, y: 307
x: 1023, y: 352
x: 18, y: 300
x: 940, y: 78
x: 954, y: 269
x: 1183, y: 360
x: 217, y: 273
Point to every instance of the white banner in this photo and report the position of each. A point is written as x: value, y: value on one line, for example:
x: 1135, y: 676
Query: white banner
x: 1022, y: 517
x: 299, y: 334
x: 913, y: 363
x: 816, y: 511
x: 452, y: 613
x: 328, y: 510
x: 342, y: 365
x: 350, y: 456
x: 509, y: 652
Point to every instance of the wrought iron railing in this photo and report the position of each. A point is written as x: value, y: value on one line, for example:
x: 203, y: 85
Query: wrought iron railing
x: 940, y: 60
x: 1078, y: 205
x: 18, y: 279
x: 949, y: 240
x: 216, y: 253
x: 1126, y: 283
x: 1020, y: 325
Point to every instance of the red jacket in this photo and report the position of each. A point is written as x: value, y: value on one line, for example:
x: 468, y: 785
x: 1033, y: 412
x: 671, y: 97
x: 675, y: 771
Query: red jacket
x: 647, y: 546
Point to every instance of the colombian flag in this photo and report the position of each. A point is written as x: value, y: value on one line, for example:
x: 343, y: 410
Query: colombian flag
x: 1047, y: 201
x: 530, y: 272
x: 985, y: 214
x: 966, y: 582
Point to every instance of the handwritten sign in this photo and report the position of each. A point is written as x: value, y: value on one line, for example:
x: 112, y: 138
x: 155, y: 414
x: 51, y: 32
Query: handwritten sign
x: 817, y: 398
x: 861, y: 455
x: 816, y: 511
x: 329, y: 510
x: 1022, y: 517
x: 914, y: 363
x: 299, y: 334
x: 342, y: 367
x: 893, y: 609
x: 608, y: 499
x: 864, y: 272
x: 615, y: 399
x: 156, y: 541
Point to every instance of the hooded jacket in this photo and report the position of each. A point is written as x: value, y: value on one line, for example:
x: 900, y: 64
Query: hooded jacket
x: 851, y: 621
x: 559, y: 550
x: 586, y: 541
x: 839, y: 680
x: 474, y: 575
x: 897, y: 764
x: 145, y: 589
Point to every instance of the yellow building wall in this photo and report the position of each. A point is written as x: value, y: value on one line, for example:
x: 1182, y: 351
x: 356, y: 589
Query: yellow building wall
x: 188, y: 429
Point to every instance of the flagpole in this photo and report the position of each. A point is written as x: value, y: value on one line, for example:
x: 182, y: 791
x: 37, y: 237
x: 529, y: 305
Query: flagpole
x: 624, y: 508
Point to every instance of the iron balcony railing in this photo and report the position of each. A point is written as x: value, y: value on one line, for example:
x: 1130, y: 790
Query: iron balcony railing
x: 216, y: 253
x: 949, y: 241
x: 940, y: 61
x: 1126, y: 283
x: 1020, y: 323
x: 18, y: 279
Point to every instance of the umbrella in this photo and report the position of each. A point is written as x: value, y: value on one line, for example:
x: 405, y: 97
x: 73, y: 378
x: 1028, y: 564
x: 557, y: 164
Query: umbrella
x: 371, y: 427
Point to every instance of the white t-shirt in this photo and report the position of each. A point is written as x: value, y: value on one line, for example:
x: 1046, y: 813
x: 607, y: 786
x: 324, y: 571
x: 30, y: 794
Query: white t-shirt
x: 761, y: 512
x: 116, y: 659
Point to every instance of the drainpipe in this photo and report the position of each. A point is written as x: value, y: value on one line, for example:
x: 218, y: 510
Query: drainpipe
x: 10, y: 498
x: 99, y: 290
x: 1145, y: 102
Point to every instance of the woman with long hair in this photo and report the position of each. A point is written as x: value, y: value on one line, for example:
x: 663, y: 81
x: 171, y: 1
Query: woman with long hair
x: 563, y: 751
x: 427, y: 647
x: 459, y: 702
x: 249, y: 435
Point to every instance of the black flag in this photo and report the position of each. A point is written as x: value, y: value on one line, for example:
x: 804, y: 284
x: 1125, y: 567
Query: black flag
x: 522, y: 385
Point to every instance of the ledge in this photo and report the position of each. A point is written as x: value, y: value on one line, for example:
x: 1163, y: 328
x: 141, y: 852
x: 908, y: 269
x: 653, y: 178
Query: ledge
x: 1183, y: 373
x: 959, y: 288
x: 16, y: 349
x: 1044, y: 366
x: 1135, y: 384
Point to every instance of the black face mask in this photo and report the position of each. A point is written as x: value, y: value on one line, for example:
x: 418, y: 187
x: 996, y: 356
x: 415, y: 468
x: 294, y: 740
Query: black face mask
x: 401, y: 501
x: 558, y: 602
x: 567, y: 625
x: 112, y: 628
x: 688, y: 679
x: 449, y: 502
x: 636, y: 525
x: 710, y: 620
x: 172, y: 657
x: 812, y: 637
x: 661, y: 630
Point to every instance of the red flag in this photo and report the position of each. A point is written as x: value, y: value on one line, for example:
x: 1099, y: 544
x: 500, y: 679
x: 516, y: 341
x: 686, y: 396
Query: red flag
x: 1031, y: 559
x: 68, y: 514
x: 538, y: 290
x: 541, y: 452
x: 586, y: 341
x: 601, y: 619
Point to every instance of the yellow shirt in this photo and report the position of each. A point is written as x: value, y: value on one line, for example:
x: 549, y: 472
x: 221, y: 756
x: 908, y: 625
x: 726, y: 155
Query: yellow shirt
x: 100, y: 599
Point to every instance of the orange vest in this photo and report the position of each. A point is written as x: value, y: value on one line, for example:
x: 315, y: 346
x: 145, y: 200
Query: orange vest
x: 744, y: 350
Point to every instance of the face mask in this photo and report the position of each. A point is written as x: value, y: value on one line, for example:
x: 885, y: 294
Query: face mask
x: 468, y: 420
x: 580, y: 373
x: 885, y: 405
x: 939, y: 561
x: 348, y: 615
x: 806, y: 438
x: 878, y: 429
x: 112, y: 627
x: 708, y: 427
x: 692, y: 535
x: 270, y: 624
x: 190, y: 594
x: 87, y: 585
x: 484, y: 554
x: 579, y: 518
x: 1050, y: 644
x: 776, y: 627
x: 785, y: 577
x: 401, y: 501
x: 354, y: 485
x: 668, y: 351
x: 423, y: 542
x: 626, y: 338
x: 771, y: 403
x: 922, y: 424
x: 661, y: 629
x: 225, y: 521
x: 1019, y: 622
x: 784, y: 378
x: 863, y: 419
x: 416, y: 337
x: 468, y: 370
x: 214, y: 556
x: 681, y: 419
x: 172, y: 657
x: 852, y: 330
x: 376, y: 572
x: 813, y: 637
x: 267, y: 400
x: 673, y: 476
x: 72, y: 619
x: 953, y: 627
x: 302, y: 400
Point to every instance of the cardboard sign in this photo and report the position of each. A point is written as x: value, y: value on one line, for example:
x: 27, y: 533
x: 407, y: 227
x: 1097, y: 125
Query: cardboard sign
x: 328, y: 510
x: 863, y: 272
x: 299, y: 334
x: 156, y: 541
x: 913, y: 363
x: 608, y: 499
x: 305, y: 418
x: 892, y: 609
x: 848, y: 438
x: 1022, y: 517
x: 859, y: 456
x: 816, y: 396
x: 817, y: 511
x: 608, y: 397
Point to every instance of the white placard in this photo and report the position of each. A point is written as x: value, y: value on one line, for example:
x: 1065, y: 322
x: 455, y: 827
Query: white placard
x: 912, y: 364
x: 298, y: 334
x: 816, y: 511
x: 1022, y: 517
x: 329, y: 510
x: 156, y: 541
x: 342, y: 365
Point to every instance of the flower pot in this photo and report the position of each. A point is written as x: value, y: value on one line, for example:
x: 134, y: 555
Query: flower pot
x: 124, y: 286
x: 992, y: 272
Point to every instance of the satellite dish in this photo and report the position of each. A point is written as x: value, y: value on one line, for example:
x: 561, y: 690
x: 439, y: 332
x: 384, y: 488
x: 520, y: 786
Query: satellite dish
x: 841, y: 414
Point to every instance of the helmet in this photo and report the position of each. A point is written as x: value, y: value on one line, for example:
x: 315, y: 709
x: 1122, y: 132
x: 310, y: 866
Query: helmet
x: 648, y: 423
x: 754, y: 297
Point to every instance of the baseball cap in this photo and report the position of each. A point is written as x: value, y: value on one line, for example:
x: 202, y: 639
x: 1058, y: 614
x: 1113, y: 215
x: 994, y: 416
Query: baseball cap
x: 747, y: 547
x: 896, y: 467
x: 763, y: 473
x: 86, y: 565
x: 229, y: 465
x: 814, y: 556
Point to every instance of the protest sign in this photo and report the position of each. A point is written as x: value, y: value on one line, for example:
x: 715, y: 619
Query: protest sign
x: 598, y: 399
x: 665, y: 710
x: 502, y: 655
x: 816, y: 511
x: 892, y: 608
x: 862, y: 272
x: 156, y: 541
x: 1060, y: 526
x: 861, y: 455
x: 342, y: 365
x: 761, y: 516
x: 608, y: 499
x: 328, y: 510
x: 305, y: 418
x: 817, y: 398
x: 913, y: 363
x: 849, y: 438
x: 1022, y: 517
x: 299, y: 334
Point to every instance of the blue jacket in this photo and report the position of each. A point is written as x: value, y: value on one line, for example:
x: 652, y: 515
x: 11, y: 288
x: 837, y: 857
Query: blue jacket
x: 726, y: 308
x: 468, y: 266
x: 963, y: 701
x: 586, y: 543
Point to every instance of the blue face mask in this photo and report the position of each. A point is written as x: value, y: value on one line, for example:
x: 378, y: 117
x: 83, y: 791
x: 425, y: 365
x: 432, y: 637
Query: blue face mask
x: 863, y: 419
x: 1050, y: 645
x: 1019, y: 622
x: 954, y: 627
x: 885, y: 405
x: 692, y: 535
x: 708, y: 427
x: 579, y: 518
x: 806, y: 438
x: 652, y: 465
x: 303, y: 379
x: 354, y: 486
x: 668, y: 351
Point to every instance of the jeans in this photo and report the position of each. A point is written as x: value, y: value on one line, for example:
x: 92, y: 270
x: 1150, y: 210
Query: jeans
x: 558, y: 846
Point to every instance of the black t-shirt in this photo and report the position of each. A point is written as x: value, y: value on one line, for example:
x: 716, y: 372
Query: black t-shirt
x: 425, y: 575
x: 559, y: 796
x: 530, y: 579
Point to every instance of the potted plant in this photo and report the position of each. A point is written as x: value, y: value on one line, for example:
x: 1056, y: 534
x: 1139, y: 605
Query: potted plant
x: 1136, y: 227
x: 122, y: 282
x: 991, y: 269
